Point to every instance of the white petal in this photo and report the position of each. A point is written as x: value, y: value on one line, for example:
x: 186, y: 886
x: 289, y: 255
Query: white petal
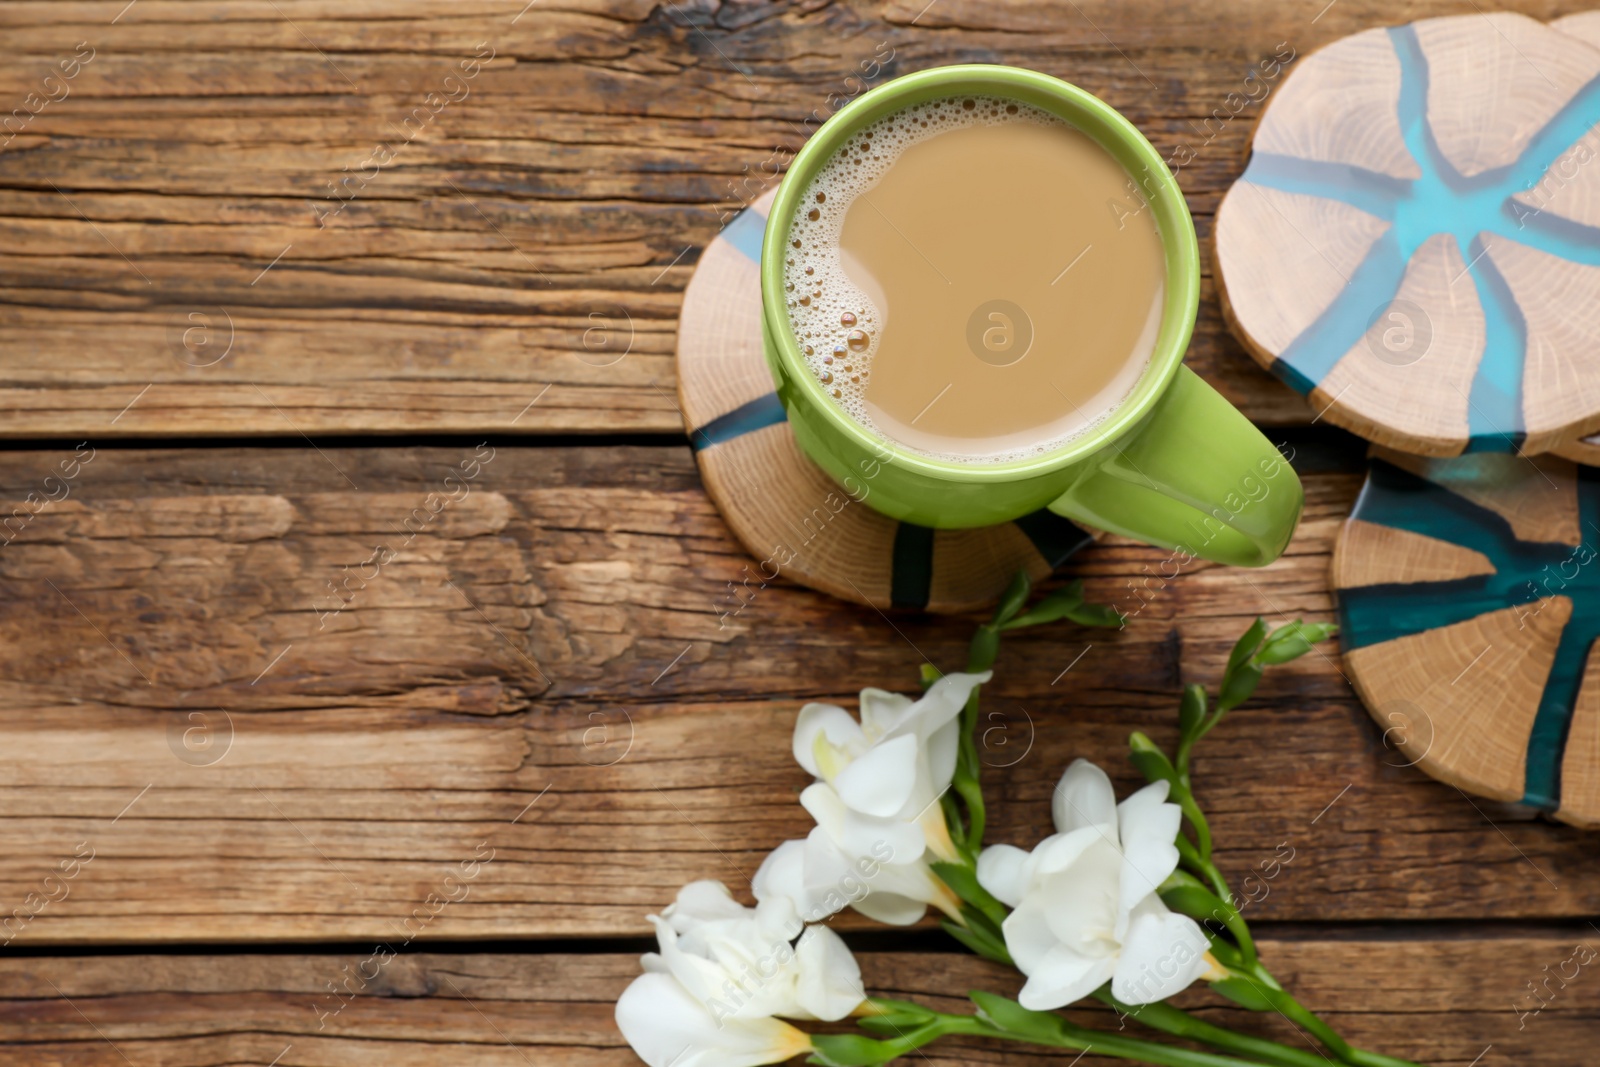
x: 1060, y: 851
x: 1028, y: 935
x: 880, y: 781
x: 829, y: 986
x: 1161, y: 957
x: 1145, y: 815
x: 1145, y: 865
x: 825, y: 868
x: 940, y: 751
x: 776, y: 919
x: 824, y: 721
x: 697, y: 974
x: 860, y: 835
x: 1001, y: 870
x: 892, y: 909
x: 1084, y: 797
x: 782, y: 875
x: 669, y: 1028
x: 881, y: 710
x: 941, y: 703
x: 1064, y: 977
x: 703, y: 901
x: 1081, y: 901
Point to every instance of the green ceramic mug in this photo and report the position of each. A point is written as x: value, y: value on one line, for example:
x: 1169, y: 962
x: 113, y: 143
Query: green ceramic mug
x: 1174, y: 465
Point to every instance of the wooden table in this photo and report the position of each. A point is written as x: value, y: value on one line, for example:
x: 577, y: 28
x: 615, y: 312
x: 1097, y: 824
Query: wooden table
x: 375, y: 558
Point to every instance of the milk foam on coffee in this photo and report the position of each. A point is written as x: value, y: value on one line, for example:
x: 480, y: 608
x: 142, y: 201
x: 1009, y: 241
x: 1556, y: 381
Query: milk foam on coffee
x: 974, y: 279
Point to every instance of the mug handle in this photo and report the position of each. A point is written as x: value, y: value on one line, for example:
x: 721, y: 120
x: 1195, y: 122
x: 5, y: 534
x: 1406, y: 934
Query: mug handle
x: 1195, y: 476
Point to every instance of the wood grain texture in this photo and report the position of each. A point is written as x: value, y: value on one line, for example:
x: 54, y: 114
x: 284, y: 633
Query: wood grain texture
x: 1369, y: 554
x: 1580, y: 766
x: 529, y: 231
x: 1557, y: 298
x: 1476, y: 735
x: 1407, y: 381
x: 1495, y: 81
x: 510, y: 1010
x: 1498, y: 107
x: 1285, y: 257
x: 1344, y: 108
x: 1465, y: 606
x: 561, y: 648
x: 1537, y: 508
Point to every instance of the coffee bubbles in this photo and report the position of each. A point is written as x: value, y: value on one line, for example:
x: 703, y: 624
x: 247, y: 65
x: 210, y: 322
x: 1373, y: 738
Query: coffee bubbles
x: 836, y: 323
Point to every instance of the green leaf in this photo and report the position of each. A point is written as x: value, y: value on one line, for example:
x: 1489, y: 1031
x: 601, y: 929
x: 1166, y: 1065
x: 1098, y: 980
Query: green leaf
x: 850, y: 1050
x: 1246, y: 646
x: 1098, y: 615
x: 1151, y: 761
x: 984, y: 648
x: 1292, y: 641
x: 977, y: 920
x: 1290, y: 648
x: 978, y: 941
x: 901, y: 1007
x: 1237, y: 687
x: 930, y: 674
x: 1013, y: 1018
x: 1192, y: 710
x: 963, y: 881
x: 1015, y: 596
x: 1184, y: 894
x: 1051, y: 608
x: 890, y: 1024
x: 1243, y: 993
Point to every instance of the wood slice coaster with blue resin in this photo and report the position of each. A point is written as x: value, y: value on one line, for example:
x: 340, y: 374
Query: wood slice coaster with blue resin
x: 1415, y: 243
x: 793, y: 519
x: 1469, y: 603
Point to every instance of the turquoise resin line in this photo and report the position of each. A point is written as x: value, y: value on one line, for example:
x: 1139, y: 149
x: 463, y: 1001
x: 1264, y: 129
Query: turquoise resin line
x: 1524, y: 572
x: 1440, y: 201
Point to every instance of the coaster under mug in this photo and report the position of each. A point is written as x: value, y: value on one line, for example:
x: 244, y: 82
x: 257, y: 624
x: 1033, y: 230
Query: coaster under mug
x: 794, y: 520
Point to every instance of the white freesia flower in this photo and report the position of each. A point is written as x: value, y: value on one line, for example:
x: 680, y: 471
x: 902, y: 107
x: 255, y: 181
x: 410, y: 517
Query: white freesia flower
x: 668, y: 1027
x: 876, y: 805
x: 1086, y: 904
x: 709, y: 996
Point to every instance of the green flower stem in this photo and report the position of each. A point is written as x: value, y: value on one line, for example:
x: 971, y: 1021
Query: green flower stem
x: 1300, y: 1015
x: 853, y: 1050
x: 1191, y: 858
x: 1169, y: 1020
x: 980, y: 657
x: 1181, y: 796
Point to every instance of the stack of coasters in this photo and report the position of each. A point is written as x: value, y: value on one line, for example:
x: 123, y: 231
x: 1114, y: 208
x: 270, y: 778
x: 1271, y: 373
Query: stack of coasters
x: 1415, y: 246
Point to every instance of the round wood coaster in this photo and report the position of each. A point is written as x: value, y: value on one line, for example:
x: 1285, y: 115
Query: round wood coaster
x: 1415, y: 243
x: 1469, y: 600
x: 794, y: 520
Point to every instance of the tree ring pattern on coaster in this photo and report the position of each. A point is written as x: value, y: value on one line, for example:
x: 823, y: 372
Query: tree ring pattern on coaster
x: 1415, y: 242
x: 1469, y: 603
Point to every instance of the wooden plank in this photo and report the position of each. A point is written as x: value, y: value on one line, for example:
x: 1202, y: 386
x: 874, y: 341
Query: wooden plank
x: 1436, y: 1001
x: 533, y: 232
x: 554, y: 670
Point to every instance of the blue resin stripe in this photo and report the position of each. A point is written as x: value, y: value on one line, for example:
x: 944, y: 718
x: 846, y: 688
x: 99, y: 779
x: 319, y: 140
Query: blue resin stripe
x: 1525, y: 571
x: 1443, y: 201
x: 744, y: 233
x: 757, y: 414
